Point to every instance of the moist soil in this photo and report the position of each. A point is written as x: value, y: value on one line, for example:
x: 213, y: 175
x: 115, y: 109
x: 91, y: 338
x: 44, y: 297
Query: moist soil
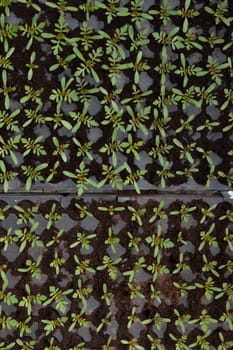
x: 171, y: 298
x: 18, y: 77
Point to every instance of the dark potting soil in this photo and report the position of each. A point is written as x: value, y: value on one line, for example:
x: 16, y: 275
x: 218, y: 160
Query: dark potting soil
x: 119, y: 287
x: 18, y: 77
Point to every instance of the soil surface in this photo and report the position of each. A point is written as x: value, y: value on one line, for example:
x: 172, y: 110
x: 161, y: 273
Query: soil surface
x: 121, y: 288
x: 49, y: 81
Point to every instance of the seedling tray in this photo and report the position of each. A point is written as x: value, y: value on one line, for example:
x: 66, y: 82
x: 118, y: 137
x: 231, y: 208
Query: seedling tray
x: 116, y: 175
x: 113, y: 271
x: 134, y: 93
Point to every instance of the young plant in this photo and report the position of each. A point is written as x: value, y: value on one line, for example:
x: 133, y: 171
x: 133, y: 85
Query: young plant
x: 9, y: 121
x: 156, y: 343
x: 167, y: 40
x: 81, y: 293
x: 184, y: 288
x: 219, y: 13
x: 83, y: 266
x: 207, y: 213
x: 137, y: 267
x: 228, y: 237
x: 160, y: 150
x: 64, y: 94
x: 56, y: 238
x: 29, y: 3
x: 208, y: 238
x: 28, y: 237
x: 33, y: 146
x: 8, y: 31
x: 181, y: 265
x: 33, y: 174
x: 111, y: 149
x: 133, y: 177
x: 6, y: 176
x: 227, y: 316
x: 111, y: 176
x: 182, y: 320
x: 24, y: 326
x: 109, y: 265
x: 224, y: 345
x: 135, y: 291
x: 8, y: 298
x: 132, y: 318
x: 31, y: 65
x: 187, y: 71
x: 138, y: 118
x: 215, y: 70
x: 62, y: 62
x: 106, y: 296
x: 57, y: 262
x: 33, y: 31
x: 5, y: 61
x: 88, y: 64
x: 184, y: 212
x: 111, y: 210
x: 158, y: 321
x: 113, y: 116
x: 212, y: 40
x: 164, y: 173
x: 32, y: 95
x: 185, y: 150
x: 165, y: 12
x: 113, y: 42
x: 8, y: 147
x: 83, y: 119
x: 8, y: 239
x: 209, y: 266
x: 156, y: 268
x: 137, y: 214
x: 52, y: 216
x: 30, y: 300
x: 187, y: 172
x: 138, y: 38
x: 59, y: 39
x: 104, y: 322
x: 137, y: 14
x: 78, y: 321
x: 52, y: 325
x: 8, y: 346
x: 132, y: 344
x: 33, y: 267
x: 204, y: 320
x: 83, y: 210
x: 62, y: 6
x: 206, y: 95
x: 111, y: 241
x: 112, y: 11
x: 201, y: 341
x: 156, y: 241
x: 87, y: 36
x: 59, y: 297
x: 134, y: 241
x: 83, y: 240
x: 158, y: 212
x: 187, y: 14
x: 53, y: 171
x: 34, y: 116
x: 209, y: 288
x: 7, y: 322
x: 6, y: 90
x: 83, y: 149
x: 81, y: 178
